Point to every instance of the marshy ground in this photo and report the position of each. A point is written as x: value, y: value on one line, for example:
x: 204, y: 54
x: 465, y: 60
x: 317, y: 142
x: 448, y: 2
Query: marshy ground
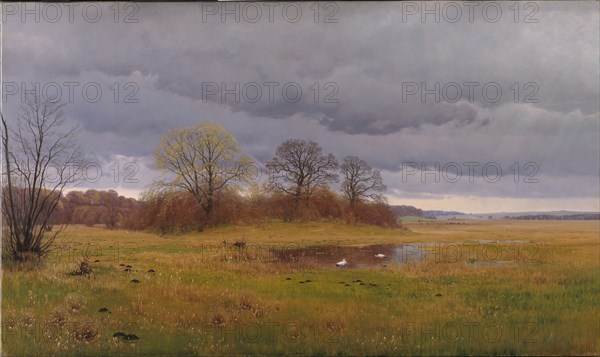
x: 487, y: 287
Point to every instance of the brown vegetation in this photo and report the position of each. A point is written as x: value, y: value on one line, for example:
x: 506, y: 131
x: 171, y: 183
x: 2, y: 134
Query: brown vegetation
x: 176, y: 211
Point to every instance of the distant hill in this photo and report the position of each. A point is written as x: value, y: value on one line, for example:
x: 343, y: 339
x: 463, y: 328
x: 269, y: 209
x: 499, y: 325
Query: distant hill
x: 414, y: 213
x: 436, y: 213
x: 534, y: 213
x: 550, y: 215
x: 562, y: 217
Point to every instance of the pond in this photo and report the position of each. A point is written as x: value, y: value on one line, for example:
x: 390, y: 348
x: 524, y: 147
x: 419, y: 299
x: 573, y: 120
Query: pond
x: 475, y: 253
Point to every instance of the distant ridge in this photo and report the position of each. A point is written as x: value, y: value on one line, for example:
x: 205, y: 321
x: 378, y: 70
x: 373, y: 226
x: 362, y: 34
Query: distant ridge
x: 411, y: 211
x: 436, y: 213
x: 535, y: 215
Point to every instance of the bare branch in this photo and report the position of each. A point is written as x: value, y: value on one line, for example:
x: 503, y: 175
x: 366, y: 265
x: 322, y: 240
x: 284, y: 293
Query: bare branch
x: 360, y: 181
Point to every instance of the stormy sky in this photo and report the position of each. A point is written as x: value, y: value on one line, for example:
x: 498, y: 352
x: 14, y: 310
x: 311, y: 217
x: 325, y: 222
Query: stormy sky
x: 405, y: 87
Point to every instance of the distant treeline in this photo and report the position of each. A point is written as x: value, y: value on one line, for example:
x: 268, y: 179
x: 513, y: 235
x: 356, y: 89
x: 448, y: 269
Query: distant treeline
x: 406, y: 211
x: 569, y: 217
x: 436, y: 213
x: 94, y: 207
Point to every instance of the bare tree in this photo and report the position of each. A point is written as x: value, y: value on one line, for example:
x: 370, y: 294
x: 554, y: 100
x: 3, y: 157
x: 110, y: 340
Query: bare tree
x: 361, y: 182
x: 202, y: 160
x: 300, y: 167
x: 38, y: 160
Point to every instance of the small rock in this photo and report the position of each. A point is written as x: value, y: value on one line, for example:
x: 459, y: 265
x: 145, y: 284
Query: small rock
x: 151, y: 271
x: 135, y: 281
x: 438, y: 295
x: 119, y: 334
x: 96, y: 261
x: 308, y: 281
x: 103, y: 309
x: 301, y: 282
x: 129, y: 266
x: 121, y: 265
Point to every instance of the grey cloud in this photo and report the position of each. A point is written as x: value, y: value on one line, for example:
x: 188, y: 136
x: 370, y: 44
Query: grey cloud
x: 173, y: 43
x: 170, y: 53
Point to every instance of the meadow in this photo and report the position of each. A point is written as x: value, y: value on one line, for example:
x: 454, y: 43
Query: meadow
x: 513, y: 288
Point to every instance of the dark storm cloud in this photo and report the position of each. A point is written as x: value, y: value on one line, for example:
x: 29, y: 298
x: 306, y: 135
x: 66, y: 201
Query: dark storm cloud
x: 172, y: 55
x: 368, y: 54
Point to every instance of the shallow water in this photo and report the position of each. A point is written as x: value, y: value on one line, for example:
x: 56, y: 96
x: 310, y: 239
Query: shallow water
x: 474, y: 253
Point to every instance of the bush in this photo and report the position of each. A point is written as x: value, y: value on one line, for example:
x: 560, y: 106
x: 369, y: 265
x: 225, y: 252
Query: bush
x: 378, y: 214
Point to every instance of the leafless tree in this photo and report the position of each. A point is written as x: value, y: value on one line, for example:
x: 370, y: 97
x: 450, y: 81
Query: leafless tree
x: 361, y: 182
x: 39, y: 160
x: 300, y: 167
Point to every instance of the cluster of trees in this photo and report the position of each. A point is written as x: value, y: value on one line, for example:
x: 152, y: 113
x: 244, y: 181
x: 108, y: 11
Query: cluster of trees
x: 404, y: 211
x: 206, y: 181
x: 171, y: 211
x: 178, y: 211
x: 204, y: 164
x: 94, y: 207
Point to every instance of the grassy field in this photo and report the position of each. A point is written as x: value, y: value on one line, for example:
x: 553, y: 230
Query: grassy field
x: 207, y: 297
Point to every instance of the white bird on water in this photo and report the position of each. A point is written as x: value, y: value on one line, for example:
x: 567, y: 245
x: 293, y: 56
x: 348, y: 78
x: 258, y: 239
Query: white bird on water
x: 342, y: 263
x: 380, y: 255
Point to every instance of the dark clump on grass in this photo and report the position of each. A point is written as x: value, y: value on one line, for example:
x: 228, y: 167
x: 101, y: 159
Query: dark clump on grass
x: 129, y: 266
x: 96, y: 261
x: 218, y: 319
x: 246, y: 303
x: 103, y: 309
x: 124, y: 336
x: 151, y: 271
x: 438, y: 295
x: 308, y: 281
x: 240, y: 244
x: 288, y: 278
x: 135, y: 281
x: 127, y: 270
x: 84, y: 269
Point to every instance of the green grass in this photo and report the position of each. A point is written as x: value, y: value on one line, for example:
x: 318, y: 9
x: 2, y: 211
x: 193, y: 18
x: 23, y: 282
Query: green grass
x: 198, y: 303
